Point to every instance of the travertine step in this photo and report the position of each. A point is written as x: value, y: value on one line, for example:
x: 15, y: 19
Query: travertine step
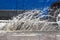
x: 29, y: 36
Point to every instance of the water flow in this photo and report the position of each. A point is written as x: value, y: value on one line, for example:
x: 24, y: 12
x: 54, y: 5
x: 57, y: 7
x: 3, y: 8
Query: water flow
x: 30, y: 20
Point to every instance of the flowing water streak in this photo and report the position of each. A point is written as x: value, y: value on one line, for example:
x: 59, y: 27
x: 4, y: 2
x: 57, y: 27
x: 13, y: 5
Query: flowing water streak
x: 29, y: 20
